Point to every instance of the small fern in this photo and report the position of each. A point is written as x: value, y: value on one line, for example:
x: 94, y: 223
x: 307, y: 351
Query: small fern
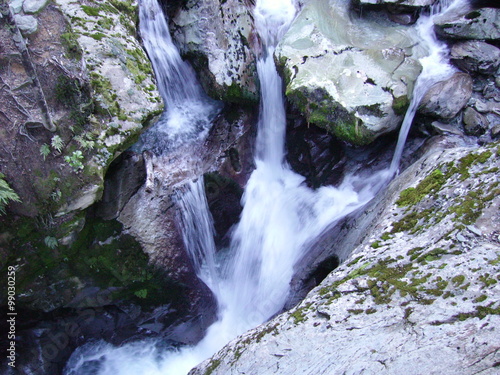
x: 51, y: 242
x: 57, y: 143
x: 6, y: 194
x: 44, y: 150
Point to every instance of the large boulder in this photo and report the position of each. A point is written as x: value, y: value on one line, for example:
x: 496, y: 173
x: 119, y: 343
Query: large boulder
x: 476, y: 56
x: 481, y: 24
x: 446, y: 98
x: 422, y: 284
x: 217, y: 37
x: 354, y: 79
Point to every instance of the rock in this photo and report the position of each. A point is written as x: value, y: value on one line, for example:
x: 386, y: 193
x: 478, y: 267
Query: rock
x: 442, y: 128
x: 16, y: 6
x: 367, y: 87
x: 217, y: 38
x: 495, y: 131
x: 476, y: 56
x: 27, y: 24
x: 446, y: 98
x: 481, y: 24
x: 420, y: 293
x: 34, y: 6
x: 474, y: 122
x: 123, y: 179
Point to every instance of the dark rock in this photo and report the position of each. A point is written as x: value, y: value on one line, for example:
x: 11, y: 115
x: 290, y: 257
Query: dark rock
x: 476, y: 56
x: 124, y: 177
x: 403, y: 18
x: 474, y: 122
x: 446, y: 98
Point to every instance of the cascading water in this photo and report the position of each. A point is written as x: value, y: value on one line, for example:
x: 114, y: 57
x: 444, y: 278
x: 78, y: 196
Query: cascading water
x: 435, y: 68
x: 280, y: 218
x: 188, y: 111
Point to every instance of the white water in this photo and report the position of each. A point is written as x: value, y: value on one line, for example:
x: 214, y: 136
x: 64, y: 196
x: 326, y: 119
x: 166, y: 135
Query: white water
x: 435, y: 68
x: 280, y: 218
x: 188, y: 111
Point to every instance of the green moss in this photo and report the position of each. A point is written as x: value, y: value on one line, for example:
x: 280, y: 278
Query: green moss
x: 487, y: 280
x: 481, y: 298
x: 469, y: 208
x: 355, y: 311
x: 90, y: 11
x: 458, y: 280
x: 97, y: 36
x: 375, y: 245
x: 370, y: 311
x: 429, y: 185
x: 299, y: 315
x: 70, y: 41
x: 214, y: 363
x: 409, y: 222
x: 400, y: 105
x: 386, y: 236
x: 356, y: 260
x: 432, y: 255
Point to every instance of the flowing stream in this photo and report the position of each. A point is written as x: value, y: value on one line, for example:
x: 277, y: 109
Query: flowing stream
x: 281, y: 216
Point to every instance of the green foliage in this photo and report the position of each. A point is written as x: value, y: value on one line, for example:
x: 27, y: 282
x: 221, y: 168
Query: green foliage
x: 57, y: 143
x: 51, y: 242
x: 44, y: 150
x: 75, y: 160
x: 6, y: 194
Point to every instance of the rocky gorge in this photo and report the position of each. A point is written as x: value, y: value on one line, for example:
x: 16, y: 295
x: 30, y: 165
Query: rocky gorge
x: 92, y: 225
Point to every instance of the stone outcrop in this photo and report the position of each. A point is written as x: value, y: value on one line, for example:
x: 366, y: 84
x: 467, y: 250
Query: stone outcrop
x: 422, y: 284
x: 481, y: 24
x: 217, y: 37
x: 75, y: 92
x: 346, y: 78
x: 476, y: 56
x: 446, y: 98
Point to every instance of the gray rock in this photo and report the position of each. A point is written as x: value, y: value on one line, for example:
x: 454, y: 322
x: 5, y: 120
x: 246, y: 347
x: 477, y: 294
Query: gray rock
x: 422, y: 293
x: 367, y: 85
x: 26, y: 24
x: 476, y: 56
x: 34, y: 6
x: 16, y: 6
x: 481, y: 24
x: 474, y: 122
x: 495, y: 131
x: 442, y: 128
x: 216, y: 37
x: 446, y: 98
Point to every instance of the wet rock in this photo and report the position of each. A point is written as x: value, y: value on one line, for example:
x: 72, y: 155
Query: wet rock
x: 476, y: 56
x: 446, y: 98
x: 27, y: 24
x: 480, y: 24
x: 406, y: 288
x: 367, y: 87
x: 217, y: 38
x: 16, y: 6
x: 474, y: 122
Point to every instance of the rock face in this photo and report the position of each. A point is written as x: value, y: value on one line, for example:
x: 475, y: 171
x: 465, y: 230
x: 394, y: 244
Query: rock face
x: 75, y: 93
x: 422, y: 284
x: 343, y: 76
x: 481, y: 24
x: 476, y: 56
x: 217, y: 37
x: 446, y: 98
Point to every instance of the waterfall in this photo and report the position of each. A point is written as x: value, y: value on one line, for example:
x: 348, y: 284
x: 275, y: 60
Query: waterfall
x: 435, y: 68
x: 188, y: 111
x: 281, y: 216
